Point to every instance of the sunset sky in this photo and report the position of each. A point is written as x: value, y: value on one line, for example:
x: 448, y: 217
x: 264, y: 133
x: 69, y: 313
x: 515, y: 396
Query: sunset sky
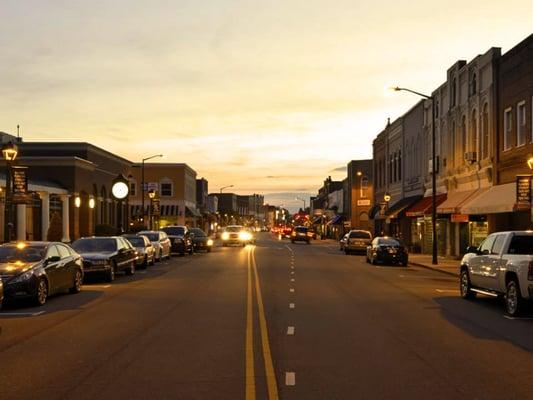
x: 270, y: 96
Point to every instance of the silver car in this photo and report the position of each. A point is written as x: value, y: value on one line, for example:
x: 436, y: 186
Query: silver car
x: 357, y: 241
x: 161, y: 243
x: 145, y: 249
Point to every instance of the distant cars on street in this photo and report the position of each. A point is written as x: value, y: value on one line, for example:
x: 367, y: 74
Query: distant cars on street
x: 300, y: 234
x: 36, y: 270
x: 386, y: 249
x: 357, y: 241
x: 106, y: 255
x: 342, y: 242
x: 180, y: 239
x: 200, y: 240
x: 144, y: 248
x: 501, y: 266
x: 161, y: 243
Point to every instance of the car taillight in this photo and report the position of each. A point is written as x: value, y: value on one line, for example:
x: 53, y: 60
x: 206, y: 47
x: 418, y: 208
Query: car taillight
x: 530, y: 271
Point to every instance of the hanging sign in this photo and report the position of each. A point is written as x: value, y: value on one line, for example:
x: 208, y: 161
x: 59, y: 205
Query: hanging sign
x: 156, y: 207
x: 523, y: 192
x: 20, y: 186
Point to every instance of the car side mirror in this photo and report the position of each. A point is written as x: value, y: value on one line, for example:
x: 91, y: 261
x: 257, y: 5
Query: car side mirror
x: 53, y: 259
x: 472, y: 249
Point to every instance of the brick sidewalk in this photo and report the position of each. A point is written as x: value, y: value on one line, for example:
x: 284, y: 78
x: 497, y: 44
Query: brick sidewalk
x: 445, y: 265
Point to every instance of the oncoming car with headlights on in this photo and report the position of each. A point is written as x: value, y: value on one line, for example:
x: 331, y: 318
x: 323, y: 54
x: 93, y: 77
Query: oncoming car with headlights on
x: 36, y: 270
x: 235, y: 234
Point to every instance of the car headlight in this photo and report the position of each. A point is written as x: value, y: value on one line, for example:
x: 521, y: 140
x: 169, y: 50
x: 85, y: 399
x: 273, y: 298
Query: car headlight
x: 23, y: 277
x: 210, y: 242
x: 245, y: 235
x: 225, y: 236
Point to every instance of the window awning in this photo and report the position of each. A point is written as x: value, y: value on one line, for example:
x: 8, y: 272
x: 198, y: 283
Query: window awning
x: 337, y: 219
x: 453, y: 202
x: 494, y: 200
x: 401, y: 205
x: 424, y: 206
x: 192, y: 212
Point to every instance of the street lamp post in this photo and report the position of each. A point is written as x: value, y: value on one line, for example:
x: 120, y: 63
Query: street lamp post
x: 9, y: 152
x: 225, y: 187
x: 433, y: 172
x: 305, y: 202
x: 142, y: 181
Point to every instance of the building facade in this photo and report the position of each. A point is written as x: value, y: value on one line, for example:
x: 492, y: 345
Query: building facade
x: 359, y: 196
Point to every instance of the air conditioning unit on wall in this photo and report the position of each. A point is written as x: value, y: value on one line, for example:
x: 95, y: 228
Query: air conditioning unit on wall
x: 471, y: 156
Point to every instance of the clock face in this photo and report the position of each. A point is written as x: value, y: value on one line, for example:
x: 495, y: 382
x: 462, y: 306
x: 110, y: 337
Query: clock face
x: 120, y: 190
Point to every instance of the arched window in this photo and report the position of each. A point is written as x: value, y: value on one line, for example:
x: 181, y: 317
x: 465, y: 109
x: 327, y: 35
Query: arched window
x: 473, y: 84
x: 399, y: 165
x: 453, y: 92
x: 452, y: 144
x: 485, y: 132
x: 474, y: 133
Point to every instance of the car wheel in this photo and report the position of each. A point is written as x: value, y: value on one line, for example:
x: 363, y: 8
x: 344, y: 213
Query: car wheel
x: 346, y: 252
x: 465, y: 286
x: 42, y: 293
x: 131, y: 269
x: 514, y: 303
x: 76, y: 288
x: 373, y: 261
x: 191, y: 251
x: 110, y: 275
x: 367, y: 259
x: 153, y: 259
x: 158, y: 257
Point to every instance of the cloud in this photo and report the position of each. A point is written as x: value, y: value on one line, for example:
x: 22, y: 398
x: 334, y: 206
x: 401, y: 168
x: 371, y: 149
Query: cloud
x: 339, y: 169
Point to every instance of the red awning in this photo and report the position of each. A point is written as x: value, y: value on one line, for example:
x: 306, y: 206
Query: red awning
x: 423, y: 206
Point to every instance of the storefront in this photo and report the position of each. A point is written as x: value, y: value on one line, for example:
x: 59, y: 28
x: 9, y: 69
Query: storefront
x: 422, y: 228
x: 399, y: 226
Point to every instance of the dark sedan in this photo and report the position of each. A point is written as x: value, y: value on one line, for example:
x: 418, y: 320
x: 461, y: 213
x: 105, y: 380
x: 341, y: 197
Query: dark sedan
x: 180, y: 239
x: 36, y: 270
x: 385, y: 249
x: 201, y: 240
x: 107, y: 255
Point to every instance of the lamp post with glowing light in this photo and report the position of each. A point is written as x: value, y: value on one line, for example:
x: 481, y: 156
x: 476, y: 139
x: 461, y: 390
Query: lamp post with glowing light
x: 151, y: 196
x: 433, y: 172
x: 120, y: 189
x: 387, y: 198
x: 9, y: 152
x: 305, y: 203
x: 142, y: 181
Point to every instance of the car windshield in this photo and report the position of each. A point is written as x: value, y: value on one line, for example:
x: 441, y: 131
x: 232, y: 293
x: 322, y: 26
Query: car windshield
x: 26, y: 254
x: 174, y: 230
x: 360, y: 235
x: 95, y: 245
x: 234, y: 228
x: 521, y: 244
x: 136, y: 241
x: 153, y: 237
x: 389, y: 242
x: 301, y: 229
x: 198, y: 232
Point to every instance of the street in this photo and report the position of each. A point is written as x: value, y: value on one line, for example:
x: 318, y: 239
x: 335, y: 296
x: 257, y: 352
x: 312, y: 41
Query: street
x: 274, y: 320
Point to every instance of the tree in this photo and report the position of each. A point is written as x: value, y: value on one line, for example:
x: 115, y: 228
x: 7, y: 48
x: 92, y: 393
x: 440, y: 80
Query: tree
x: 55, y: 230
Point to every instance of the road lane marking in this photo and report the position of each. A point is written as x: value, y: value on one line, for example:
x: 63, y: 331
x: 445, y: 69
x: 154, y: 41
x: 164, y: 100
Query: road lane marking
x: 272, y: 384
x: 291, y: 305
x: 291, y: 250
x: 517, y: 318
x: 292, y: 279
x: 292, y: 272
x: 290, y: 330
x: 21, y: 314
x: 291, y: 290
x: 249, y: 345
x: 97, y: 286
x: 447, y: 290
x: 290, y: 378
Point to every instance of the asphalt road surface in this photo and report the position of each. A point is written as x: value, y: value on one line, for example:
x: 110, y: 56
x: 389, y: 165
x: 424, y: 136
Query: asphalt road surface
x: 271, y: 321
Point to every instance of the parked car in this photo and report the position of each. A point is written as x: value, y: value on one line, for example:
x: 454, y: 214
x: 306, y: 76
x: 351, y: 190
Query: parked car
x: 1, y: 293
x: 299, y: 234
x: 501, y: 265
x: 200, y: 240
x: 311, y: 233
x: 36, y: 270
x: 180, y: 239
x: 235, y: 234
x: 343, y: 241
x: 358, y: 241
x: 253, y: 234
x: 107, y: 255
x: 161, y: 243
x: 386, y: 249
x: 145, y: 249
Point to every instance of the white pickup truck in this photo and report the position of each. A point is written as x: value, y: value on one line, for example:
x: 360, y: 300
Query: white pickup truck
x: 501, y: 265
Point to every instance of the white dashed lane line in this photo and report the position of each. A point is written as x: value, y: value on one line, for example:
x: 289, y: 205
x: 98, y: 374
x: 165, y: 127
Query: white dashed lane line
x: 290, y: 330
x: 21, y: 314
x: 292, y: 305
x: 290, y: 378
x: 291, y: 290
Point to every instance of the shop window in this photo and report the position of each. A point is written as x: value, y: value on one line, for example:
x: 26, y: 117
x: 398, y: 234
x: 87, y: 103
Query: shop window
x: 507, y: 128
x: 364, y: 186
x: 521, y: 123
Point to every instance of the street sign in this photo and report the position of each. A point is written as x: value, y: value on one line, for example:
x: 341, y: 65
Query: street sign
x: 459, y: 218
x: 156, y: 207
x: 523, y: 192
x: 364, y: 202
x: 20, y: 186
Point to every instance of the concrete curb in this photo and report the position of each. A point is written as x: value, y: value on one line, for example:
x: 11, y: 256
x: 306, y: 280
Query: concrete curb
x: 434, y: 269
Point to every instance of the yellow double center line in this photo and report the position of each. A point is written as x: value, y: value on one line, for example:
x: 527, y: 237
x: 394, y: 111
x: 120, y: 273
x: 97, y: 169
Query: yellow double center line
x: 272, y: 385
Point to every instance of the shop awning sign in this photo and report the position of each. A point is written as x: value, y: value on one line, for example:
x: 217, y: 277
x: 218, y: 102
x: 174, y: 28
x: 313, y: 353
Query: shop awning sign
x: 20, y: 186
x: 364, y: 202
x: 523, y: 192
x: 459, y: 218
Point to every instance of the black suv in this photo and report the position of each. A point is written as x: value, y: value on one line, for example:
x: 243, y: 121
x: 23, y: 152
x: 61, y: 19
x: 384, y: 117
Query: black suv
x: 180, y: 239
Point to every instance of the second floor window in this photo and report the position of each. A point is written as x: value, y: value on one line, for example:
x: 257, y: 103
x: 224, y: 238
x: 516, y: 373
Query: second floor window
x: 166, y: 189
x: 132, y: 188
x: 521, y: 123
x: 507, y: 128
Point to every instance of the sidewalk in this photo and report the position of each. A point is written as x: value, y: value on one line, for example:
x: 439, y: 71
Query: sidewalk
x: 445, y: 265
